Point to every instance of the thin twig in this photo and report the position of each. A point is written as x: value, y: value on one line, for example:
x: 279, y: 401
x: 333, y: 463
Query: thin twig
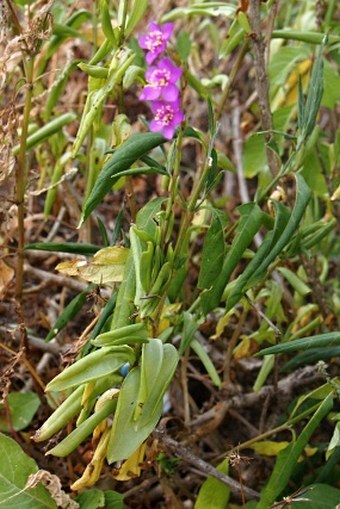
x: 208, y: 470
x: 262, y: 82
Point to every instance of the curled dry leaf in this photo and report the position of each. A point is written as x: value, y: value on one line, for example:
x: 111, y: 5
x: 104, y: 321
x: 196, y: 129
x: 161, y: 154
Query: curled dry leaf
x: 53, y: 485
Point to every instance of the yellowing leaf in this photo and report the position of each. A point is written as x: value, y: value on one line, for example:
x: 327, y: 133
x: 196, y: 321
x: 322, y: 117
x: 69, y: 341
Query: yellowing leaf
x: 107, y: 266
x: 308, y: 451
x: 167, y: 317
x: 6, y: 276
x: 223, y: 322
x: 269, y: 447
x: 242, y: 349
x: 132, y: 466
x: 111, y: 255
x: 71, y: 267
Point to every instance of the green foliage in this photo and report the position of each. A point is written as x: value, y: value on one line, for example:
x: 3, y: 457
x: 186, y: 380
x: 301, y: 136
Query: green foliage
x: 213, y: 494
x: 194, y: 268
x: 22, y: 408
x: 15, y: 468
x: 132, y: 150
x: 94, y: 499
x: 287, y: 459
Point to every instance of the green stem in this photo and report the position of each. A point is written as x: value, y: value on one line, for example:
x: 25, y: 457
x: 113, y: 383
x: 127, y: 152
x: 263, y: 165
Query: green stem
x: 329, y: 13
x: 189, y: 213
x: 234, y: 70
x: 21, y: 175
x: 287, y: 426
x: 173, y: 187
x: 122, y: 27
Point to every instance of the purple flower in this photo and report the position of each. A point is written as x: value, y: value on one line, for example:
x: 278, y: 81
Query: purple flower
x: 155, y: 40
x: 167, y: 116
x: 161, y: 81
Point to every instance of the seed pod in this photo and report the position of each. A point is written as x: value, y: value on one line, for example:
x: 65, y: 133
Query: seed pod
x: 61, y: 416
x: 78, y: 435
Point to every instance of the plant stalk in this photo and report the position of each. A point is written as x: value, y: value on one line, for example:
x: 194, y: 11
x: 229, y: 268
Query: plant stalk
x: 21, y: 176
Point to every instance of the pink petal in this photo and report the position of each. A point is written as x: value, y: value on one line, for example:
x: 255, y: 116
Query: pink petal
x: 151, y: 56
x: 167, y: 30
x: 155, y: 126
x: 149, y: 93
x: 168, y: 132
x: 170, y: 93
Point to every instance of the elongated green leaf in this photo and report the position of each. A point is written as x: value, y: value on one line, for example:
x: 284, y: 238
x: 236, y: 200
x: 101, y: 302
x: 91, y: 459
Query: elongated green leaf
x: 15, y: 468
x: 71, y: 310
x: 295, y: 281
x: 137, y: 12
x: 122, y: 159
x: 287, y: 458
x: 190, y: 326
x: 65, y: 247
x: 314, y: 94
x: 95, y: 365
x: 250, y: 222
x: 212, y: 255
x: 281, y: 220
x: 206, y: 361
x: 320, y: 340
x: 311, y: 356
x: 61, y: 32
x: 303, y: 195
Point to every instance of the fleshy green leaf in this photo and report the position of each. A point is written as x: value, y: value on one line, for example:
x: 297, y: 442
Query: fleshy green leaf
x: 95, y: 365
x: 140, y: 400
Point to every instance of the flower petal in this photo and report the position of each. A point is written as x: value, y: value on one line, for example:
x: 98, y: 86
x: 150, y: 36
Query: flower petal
x: 167, y: 30
x: 168, y: 132
x: 150, y: 93
x: 155, y: 126
x: 170, y: 93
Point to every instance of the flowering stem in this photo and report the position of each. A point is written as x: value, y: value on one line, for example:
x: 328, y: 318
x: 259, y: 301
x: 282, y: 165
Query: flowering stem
x: 122, y: 27
x: 173, y: 185
x: 189, y: 213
